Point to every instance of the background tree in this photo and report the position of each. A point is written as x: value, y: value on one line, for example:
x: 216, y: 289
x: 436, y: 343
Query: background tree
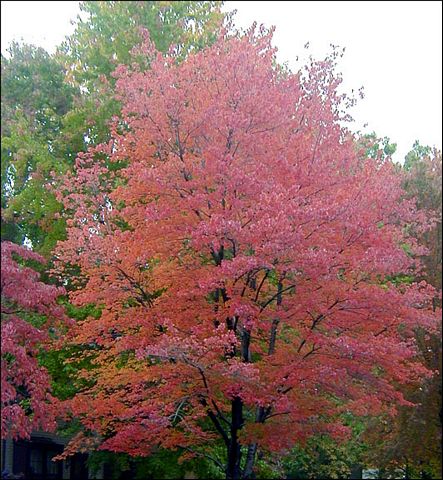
x: 413, y: 441
x: 34, y: 100
x: 376, y: 148
x: 30, y: 320
x: 324, y: 457
x: 106, y: 32
x: 237, y: 245
x: 423, y: 183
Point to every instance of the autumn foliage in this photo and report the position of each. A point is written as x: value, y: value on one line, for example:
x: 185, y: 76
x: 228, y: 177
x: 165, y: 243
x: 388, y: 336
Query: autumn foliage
x: 412, y: 441
x: 29, y: 310
x: 242, y: 250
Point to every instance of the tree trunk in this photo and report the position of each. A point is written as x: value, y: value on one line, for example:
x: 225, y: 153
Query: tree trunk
x: 275, y: 322
x: 250, y: 460
x: 234, y: 449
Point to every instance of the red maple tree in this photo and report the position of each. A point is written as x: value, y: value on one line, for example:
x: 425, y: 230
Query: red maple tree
x: 241, y: 249
x: 27, y: 403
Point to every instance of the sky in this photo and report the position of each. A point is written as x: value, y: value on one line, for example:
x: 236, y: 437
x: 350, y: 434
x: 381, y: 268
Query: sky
x: 393, y: 50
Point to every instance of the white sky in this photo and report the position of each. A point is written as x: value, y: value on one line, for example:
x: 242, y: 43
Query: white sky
x: 393, y: 49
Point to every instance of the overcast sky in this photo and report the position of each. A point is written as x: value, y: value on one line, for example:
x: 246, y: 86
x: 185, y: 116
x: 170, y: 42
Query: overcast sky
x: 393, y: 50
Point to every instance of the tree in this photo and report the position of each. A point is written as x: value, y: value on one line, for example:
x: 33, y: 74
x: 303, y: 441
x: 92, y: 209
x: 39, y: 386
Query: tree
x: 33, y: 82
x: 377, y: 147
x: 414, y: 438
x: 423, y: 167
x: 107, y: 31
x: 30, y: 318
x: 241, y: 252
x: 323, y: 457
x: 34, y: 101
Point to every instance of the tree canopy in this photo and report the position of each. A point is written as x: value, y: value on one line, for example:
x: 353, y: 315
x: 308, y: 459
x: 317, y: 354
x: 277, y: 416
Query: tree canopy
x: 242, y: 254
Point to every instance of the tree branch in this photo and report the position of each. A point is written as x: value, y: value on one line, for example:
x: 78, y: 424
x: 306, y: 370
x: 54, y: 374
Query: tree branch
x: 275, y: 296
x: 203, y: 454
x: 257, y: 293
